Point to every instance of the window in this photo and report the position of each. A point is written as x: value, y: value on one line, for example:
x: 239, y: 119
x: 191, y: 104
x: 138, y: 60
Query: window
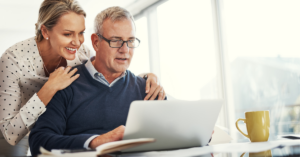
x: 188, y: 63
x: 263, y: 46
x: 140, y: 61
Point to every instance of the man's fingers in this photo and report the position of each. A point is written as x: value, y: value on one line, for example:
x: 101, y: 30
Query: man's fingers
x: 121, y: 128
x: 114, y: 135
x: 117, y: 133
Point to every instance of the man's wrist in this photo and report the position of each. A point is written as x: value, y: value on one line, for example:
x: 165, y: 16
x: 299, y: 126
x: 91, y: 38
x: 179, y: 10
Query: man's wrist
x: 93, y: 144
x: 89, y: 141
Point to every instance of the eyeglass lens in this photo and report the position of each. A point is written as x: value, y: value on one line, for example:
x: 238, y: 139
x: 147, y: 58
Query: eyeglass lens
x: 130, y: 43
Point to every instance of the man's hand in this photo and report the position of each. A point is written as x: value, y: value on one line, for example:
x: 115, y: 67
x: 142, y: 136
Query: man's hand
x: 114, y: 135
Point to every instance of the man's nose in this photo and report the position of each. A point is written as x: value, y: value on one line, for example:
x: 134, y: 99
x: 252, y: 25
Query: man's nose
x: 124, y: 48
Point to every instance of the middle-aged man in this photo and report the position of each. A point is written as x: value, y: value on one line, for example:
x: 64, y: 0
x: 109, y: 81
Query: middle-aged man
x: 97, y: 103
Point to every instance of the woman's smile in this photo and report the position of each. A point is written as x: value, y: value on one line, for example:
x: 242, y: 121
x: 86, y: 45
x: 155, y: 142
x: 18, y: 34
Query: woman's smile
x: 71, y: 50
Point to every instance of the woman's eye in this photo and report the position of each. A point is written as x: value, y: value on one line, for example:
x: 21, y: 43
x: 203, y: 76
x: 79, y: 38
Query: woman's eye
x: 67, y: 35
x: 115, y: 41
x: 81, y: 32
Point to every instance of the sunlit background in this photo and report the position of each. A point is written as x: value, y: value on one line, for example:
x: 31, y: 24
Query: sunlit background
x: 245, y: 52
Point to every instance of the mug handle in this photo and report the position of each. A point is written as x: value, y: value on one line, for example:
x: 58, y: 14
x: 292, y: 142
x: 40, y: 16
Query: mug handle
x: 243, y: 154
x: 236, y: 124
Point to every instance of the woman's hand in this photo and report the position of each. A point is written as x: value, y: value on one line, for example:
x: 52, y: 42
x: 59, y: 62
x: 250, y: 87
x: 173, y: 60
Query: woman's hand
x: 62, y: 78
x: 153, y: 88
x: 58, y: 80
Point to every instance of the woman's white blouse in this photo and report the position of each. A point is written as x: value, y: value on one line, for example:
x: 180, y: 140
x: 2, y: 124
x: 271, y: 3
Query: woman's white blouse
x: 21, y: 77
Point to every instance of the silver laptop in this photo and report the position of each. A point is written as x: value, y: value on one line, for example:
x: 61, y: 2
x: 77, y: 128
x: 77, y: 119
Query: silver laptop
x: 173, y: 124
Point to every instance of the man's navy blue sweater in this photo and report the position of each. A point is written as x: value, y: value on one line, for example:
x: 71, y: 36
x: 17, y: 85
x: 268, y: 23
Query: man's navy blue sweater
x: 85, y: 108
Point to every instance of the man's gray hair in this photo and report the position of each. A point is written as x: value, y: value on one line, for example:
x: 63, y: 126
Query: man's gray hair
x: 114, y: 13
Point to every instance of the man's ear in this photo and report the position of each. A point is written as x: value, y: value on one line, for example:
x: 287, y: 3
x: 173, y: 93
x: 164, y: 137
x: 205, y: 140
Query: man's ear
x: 95, y: 41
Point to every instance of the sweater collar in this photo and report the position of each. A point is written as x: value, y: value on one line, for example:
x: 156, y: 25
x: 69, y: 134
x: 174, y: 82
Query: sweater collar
x: 93, y: 72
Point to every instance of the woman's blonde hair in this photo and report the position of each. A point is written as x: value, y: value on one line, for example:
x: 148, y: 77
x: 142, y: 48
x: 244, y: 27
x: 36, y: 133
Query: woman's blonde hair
x: 50, y: 12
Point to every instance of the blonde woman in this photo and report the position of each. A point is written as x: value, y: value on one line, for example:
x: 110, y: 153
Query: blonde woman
x: 33, y: 70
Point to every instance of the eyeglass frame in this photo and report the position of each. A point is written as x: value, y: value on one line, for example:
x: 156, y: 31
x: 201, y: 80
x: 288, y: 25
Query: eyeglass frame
x: 108, y: 41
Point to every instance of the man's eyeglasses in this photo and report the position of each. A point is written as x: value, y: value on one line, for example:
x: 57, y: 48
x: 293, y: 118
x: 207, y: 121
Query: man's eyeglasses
x: 132, y: 43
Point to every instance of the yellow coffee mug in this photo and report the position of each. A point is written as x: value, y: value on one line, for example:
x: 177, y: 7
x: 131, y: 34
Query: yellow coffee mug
x: 258, y: 125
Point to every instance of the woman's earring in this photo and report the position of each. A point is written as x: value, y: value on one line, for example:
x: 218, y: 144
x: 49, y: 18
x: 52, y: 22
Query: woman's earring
x: 46, y: 38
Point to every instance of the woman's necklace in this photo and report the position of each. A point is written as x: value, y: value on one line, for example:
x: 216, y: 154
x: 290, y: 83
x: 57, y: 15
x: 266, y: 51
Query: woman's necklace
x: 44, y: 62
